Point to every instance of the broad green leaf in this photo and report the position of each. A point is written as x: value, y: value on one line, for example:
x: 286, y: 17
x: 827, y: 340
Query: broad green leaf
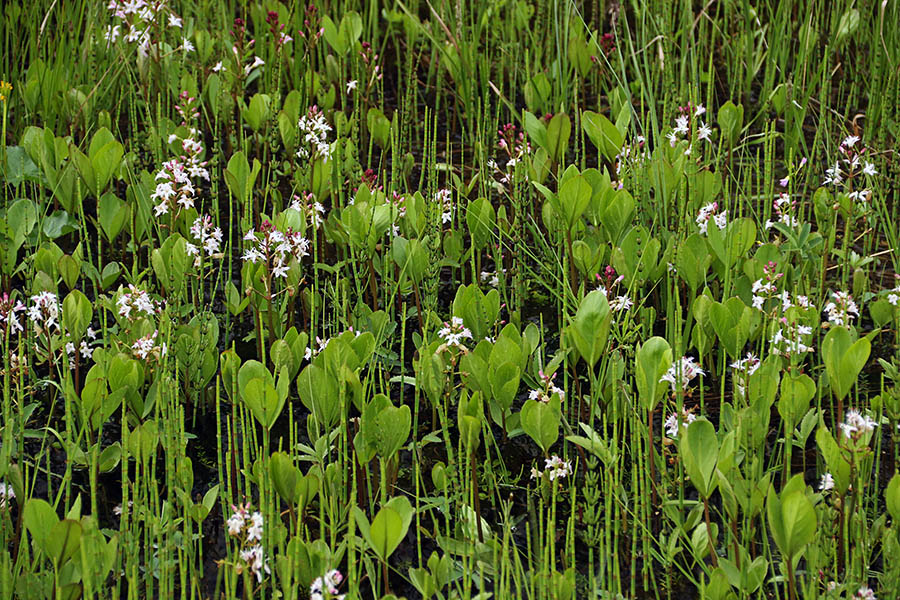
x: 392, y: 425
x: 844, y: 359
x: 558, y: 130
x: 76, y: 314
x: 892, y: 497
x: 39, y: 519
x: 574, y: 198
x: 541, y: 422
x: 700, y: 450
x: 589, y: 330
x: 284, y: 476
x: 652, y: 359
x: 604, y: 135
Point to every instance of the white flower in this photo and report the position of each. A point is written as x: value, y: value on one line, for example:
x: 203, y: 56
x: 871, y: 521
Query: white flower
x: 682, y: 371
x: 833, y: 175
x: 742, y: 369
x: 557, y: 467
x: 453, y: 333
x: 209, y: 237
x: 673, y: 139
x: 841, y: 309
x: 708, y: 212
x: 327, y: 582
x: 672, y: 426
x: 827, y: 483
x: 117, y: 510
x: 253, y: 557
x: 146, y: 346
x: 865, y: 593
x: 257, y: 62
x: 791, y: 343
x: 218, y: 67
x: 6, y: 493
x: 187, y: 45
x: 491, y: 278
x: 255, y: 531
x: 351, y: 85
x: 620, y: 303
x: 44, y: 311
x: 856, y: 425
x: 174, y: 20
x: 111, y: 35
x: 280, y: 270
x: 314, y: 129
x: 137, y: 300
x: 869, y: 169
x: 703, y: 132
x: 235, y: 523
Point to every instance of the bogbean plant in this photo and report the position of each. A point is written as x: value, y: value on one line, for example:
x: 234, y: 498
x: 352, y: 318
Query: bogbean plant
x: 449, y: 300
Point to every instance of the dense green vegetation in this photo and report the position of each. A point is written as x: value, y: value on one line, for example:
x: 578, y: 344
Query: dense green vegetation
x: 450, y: 299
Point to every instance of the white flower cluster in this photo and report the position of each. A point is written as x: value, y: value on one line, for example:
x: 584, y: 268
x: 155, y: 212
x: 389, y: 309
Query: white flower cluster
x: 44, y: 311
x: 557, y: 467
x: 136, y: 300
x: 789, y: 339
x: 620, y: 304
x: 8, y: 311
x: 311, y: 208
x: 275, y: 247
x: 176, y: 190
x: 492, y: 278
x: 445, y: 199
x: 841, y: 309
x: 257, y: 62
x: 682, y: 372
x: 6, y: 494
x: 710, y: 211
x: 83, y: 348
x: 741, y: 370
x: 453, y: 333
x: 320, y: 345
x: 827, y: 483
x: 208, y: 237
x: 117, y: 509
x: 146, y: 346
x: 326, y: 583
x: 136, y: 20
x: 856, y: 425
x: 676, y: 423
x: 249, y: 529
x: 849, y: 166
x: 550, y: 388
x: 764, y: 289
x: 554, y: 467
x: 682, y: 127
x: 315, y: 130
x: 783, y: 205
x: 864, y: 593
x: 515, y: 145
x: 633, y: 154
